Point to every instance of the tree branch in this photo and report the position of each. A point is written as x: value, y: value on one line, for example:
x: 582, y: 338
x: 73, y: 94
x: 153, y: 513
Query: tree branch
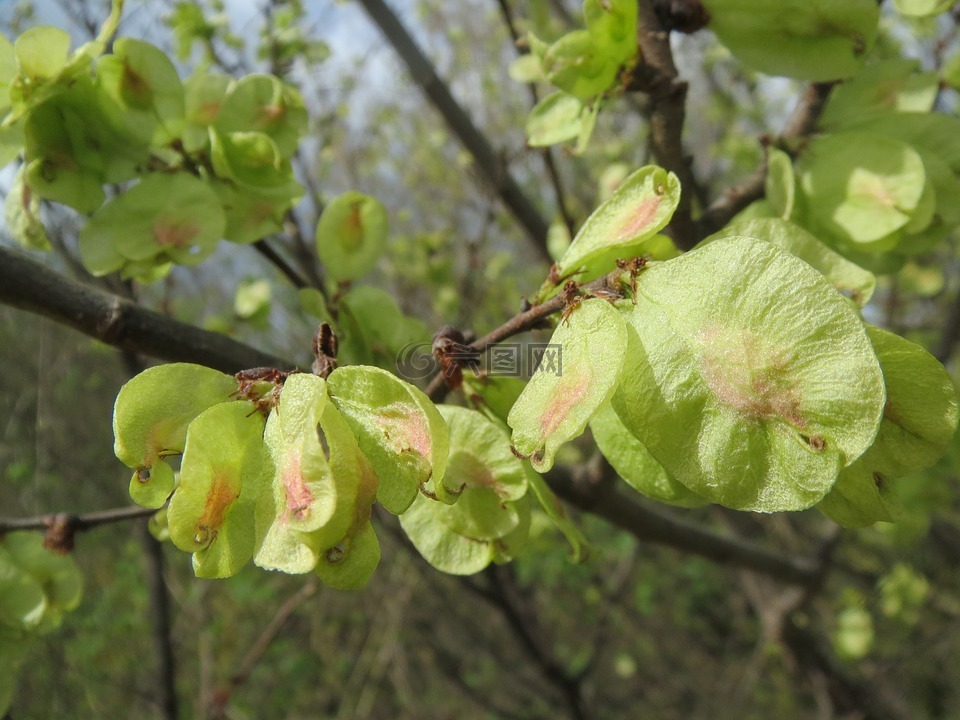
x: 667, y: 110
x: 549, y: 163
x: 77, y: 523
x: 800, y: 124
x: 490, y: 165
x: 30, y: 285
x: 656, y: 526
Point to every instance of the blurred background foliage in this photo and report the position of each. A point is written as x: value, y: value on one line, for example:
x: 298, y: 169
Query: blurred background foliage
x: 637, y: 631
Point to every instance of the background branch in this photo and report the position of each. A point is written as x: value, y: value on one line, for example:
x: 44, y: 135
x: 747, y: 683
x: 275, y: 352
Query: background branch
x: 30, y: 285
x: 491, y: 166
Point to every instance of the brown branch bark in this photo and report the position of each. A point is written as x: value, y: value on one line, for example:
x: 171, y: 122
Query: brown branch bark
x: 658, y: 526
x: 506, y: 12
x: 30, y: 285
x: 666, y: 114
x: 490, y: 165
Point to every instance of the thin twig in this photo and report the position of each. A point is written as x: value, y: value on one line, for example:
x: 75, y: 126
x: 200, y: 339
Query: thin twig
x: 158, y: 599
x: 78, y: 523
x: 221, y: 698
x: 489, y: 163
x: 801, y: 123
x: 547, y: 153
x: 295, y: 278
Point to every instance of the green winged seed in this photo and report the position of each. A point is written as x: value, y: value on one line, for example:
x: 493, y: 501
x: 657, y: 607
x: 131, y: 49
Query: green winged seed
x: 165, y: 217
x: 223, y: 471
x: 264, y: 103
x: 143, y: 81
x: 399, y: 430
x: 894, y: 85
x: 634, y: 463
x: 576, y: 64
x: 641, y: 206
x: 493, y: 478
x: 814, y: 40
x: 561, y: 397
x: 754, y: 381
x: 150, y: 419
x: 22, y: 600
x: 922, y: 8
x: 350, y: 564
x: 57, y: 575
x: 847, y: 277
x: 352, y: 235
x: 613, y: 26
x: 312, y: 502
x: 919, y: 422
x: 555, y: 119
x: 860, y: 186
x: 444, y: 549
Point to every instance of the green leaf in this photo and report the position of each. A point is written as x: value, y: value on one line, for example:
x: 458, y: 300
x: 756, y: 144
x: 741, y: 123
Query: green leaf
x: 399, y: 430
x: 559, y: 401
x: 351, y: 235
x: 492, y: 395
x: 150, y: 419
x: 166, y: 217
x: 634, y: 463
x: 891, y: 85
x: 861, y: 187
x: 850, y: 279
x: 613, y: 26
x: 265, y: 104
x: 142, y: 80
x: 641, y: 206
x: 814, y: 40
x: 555, y: 119
x: 314, y: 497
x: 753, y: 381
x: 223, y: 472
x: 578, y: 66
